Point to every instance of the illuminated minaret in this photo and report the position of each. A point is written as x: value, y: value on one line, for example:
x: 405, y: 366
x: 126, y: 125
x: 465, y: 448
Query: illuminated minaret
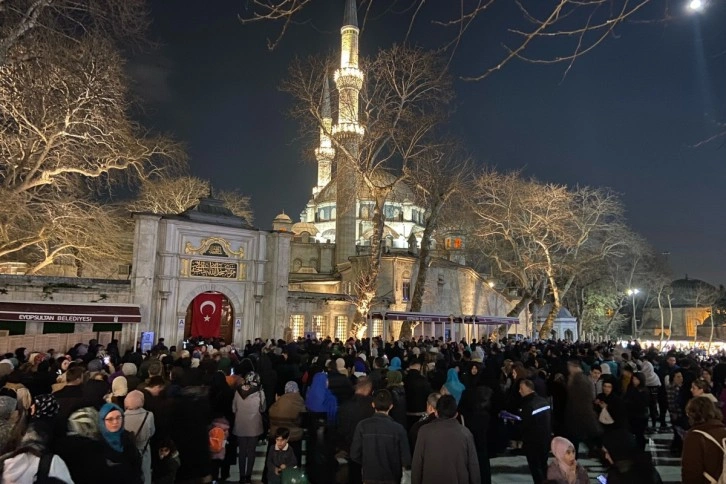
x: 325, y: 152
x: 348, y: 131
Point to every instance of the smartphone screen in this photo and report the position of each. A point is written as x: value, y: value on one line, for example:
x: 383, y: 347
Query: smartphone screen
x: 602, y: 479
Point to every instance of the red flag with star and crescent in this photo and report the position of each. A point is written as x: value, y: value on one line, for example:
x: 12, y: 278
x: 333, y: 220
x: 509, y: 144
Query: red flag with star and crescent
x: 207, y: 315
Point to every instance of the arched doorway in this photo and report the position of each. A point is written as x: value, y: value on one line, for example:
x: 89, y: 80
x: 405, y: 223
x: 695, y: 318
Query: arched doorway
x: 226, y: 327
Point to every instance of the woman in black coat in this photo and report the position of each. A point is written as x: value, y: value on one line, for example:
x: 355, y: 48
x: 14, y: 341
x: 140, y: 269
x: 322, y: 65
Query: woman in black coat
x: 637, y: 401
x: 123, y: 462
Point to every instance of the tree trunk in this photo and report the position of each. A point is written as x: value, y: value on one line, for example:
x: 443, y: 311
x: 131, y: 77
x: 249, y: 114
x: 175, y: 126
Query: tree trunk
x: 710, y: 339
x: 670, y: 318
x: 419, y: 288
x: 546, y: 329
x: 368, y: 274
x: 662, y: 319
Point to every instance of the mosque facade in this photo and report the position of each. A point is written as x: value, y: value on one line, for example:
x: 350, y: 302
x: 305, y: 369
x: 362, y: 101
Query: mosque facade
x: 294, y: 280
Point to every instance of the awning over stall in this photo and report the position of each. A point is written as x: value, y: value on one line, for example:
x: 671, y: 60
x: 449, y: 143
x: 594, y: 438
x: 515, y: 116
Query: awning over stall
x: 55, y: 312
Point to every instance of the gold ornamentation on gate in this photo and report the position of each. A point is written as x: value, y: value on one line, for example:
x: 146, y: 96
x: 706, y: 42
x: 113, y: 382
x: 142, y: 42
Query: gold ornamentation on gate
x: 214, y: 247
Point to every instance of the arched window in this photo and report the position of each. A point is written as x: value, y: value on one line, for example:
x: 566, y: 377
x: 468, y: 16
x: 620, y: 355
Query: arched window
x: 314, y: 263
x: 569, y: 335
x: 296, y: 265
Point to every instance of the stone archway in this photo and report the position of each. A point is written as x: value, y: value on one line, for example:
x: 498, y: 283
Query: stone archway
x: 226, y: 329
x: 237, y: 308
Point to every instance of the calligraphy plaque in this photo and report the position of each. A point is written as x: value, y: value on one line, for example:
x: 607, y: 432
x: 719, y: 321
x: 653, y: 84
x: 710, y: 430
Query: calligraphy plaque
x: 215, y: 249
x: 207, y: 268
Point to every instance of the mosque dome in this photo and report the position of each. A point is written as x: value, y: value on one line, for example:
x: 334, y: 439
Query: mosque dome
x: 282, y: 217
x: 401, y: 191
x: 691, y: 292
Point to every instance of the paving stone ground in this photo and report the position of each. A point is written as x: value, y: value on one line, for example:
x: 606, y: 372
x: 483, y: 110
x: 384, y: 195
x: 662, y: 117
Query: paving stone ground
x: 513, y: 469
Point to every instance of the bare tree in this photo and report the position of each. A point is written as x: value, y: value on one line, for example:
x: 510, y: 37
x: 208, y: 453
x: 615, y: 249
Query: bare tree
x: 27, y: 22
x: 174, y: 195
x: 67, y: 140
x: 403, y: 100
x: 439, y: 178
x: 564, y: 29
x: 535, y: 232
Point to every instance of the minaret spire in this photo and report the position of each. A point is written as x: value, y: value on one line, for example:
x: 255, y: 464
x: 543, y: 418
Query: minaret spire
x: 325, y: 153
x: 348, y: 132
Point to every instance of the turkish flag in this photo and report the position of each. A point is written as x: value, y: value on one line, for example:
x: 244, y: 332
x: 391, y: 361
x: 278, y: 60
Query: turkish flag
x: 207, y: 315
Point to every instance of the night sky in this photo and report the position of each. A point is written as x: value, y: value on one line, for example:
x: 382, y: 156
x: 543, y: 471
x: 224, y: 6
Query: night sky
x: 627, y: 116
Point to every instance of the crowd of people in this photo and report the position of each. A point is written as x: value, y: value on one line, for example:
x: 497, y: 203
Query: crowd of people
x: 359, y: 411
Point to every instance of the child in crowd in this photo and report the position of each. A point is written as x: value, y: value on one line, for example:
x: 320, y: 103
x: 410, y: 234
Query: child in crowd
x: 168, y: 464
x: 280, y: 457
x: 565, y: 469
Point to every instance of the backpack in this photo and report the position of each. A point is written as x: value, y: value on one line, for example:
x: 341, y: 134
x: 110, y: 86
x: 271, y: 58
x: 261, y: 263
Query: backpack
x: 42, y: 476
x: 217, y: 440
x: 722, y: 478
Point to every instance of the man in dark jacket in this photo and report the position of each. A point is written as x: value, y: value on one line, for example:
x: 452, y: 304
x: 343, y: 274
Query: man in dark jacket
x: 70, y: 397
x: 418, y: 389
x: 445, y: 450
x: 536, y: 414
x: 380, y: 444
x: 359, y: 408
x: 431, y: 402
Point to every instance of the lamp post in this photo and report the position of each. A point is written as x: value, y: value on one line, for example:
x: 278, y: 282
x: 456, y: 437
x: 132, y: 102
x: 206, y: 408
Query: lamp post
x: 632, y: 293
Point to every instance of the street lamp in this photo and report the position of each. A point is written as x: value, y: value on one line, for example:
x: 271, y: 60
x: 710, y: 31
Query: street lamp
x: 632, y: 293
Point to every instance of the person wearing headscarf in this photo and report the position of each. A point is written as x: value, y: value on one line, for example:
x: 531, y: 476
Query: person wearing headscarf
x: 141, y: 423
x: 453, y: 386
x: 81, y: 448
x: 395, y: 386
x: 395, y: 364
x: 339, y: 383
x: 122, y: 458
x: 119, y: 389
x: 322, y: 410
x: 565, y: 469
x: 319, y: 398
x: 248, y: 406
x: 287, y: 412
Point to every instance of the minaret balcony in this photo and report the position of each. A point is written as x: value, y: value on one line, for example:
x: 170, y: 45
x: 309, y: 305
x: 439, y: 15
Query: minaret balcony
x: 325, y: 154
x: 348, y: 77
x: 348, y: 129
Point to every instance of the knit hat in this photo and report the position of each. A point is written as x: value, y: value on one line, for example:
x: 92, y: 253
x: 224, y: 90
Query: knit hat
x: 395, y: 364
x: 340, y: 365
x: 6, y: 367
x: 95, y: 365
x: 129, y: 369
x: 46, y: 406
x: 84, y: 422
x: 134, y: 400
x: 291, y: 387
x: 7, y: 407
x: 120, y: 386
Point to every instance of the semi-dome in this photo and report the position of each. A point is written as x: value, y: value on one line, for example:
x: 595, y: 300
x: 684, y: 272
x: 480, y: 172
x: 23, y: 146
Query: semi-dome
x: 302, y: 227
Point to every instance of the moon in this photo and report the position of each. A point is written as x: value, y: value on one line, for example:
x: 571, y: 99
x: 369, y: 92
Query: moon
x: 208, y: 303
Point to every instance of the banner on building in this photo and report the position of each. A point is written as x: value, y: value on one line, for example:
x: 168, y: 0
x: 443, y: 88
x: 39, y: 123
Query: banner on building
x: 207, y: 315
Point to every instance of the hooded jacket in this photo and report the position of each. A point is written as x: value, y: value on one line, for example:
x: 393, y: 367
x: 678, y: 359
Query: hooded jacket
x: 248, y: 400
x: 22, y: 467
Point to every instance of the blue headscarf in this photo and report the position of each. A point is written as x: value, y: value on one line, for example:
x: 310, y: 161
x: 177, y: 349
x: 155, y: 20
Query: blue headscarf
x: 453, y: 385
x: 319, y: 399
x: 113, y: 438
x: 395, y: 364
